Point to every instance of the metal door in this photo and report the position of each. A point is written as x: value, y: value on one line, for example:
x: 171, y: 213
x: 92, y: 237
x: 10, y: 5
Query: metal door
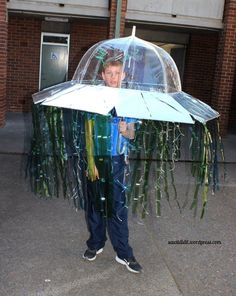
x: 54, y: 59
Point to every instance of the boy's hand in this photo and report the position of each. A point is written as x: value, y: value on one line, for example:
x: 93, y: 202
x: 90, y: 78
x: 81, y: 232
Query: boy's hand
x: 93, y: 176
x: 127, y: 129
x: 122, y: 127
x: 96, y: 173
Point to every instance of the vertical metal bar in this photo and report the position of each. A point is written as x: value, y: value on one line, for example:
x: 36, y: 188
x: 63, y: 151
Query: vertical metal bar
x: 118, y: 16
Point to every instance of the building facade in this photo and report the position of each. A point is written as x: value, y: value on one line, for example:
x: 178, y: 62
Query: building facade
x: 41, y: 43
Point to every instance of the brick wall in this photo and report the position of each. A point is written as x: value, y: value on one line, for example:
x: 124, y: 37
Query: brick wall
x: 199, y: 79
x: 84, y: 34
x: 3, y: 61
x: 200, y: 65
x: 23, y: 62
x: 225, y: 67
x: 24, y: 55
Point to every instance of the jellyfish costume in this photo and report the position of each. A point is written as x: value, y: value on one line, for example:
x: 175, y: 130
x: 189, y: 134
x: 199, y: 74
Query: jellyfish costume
x: 73, y: 128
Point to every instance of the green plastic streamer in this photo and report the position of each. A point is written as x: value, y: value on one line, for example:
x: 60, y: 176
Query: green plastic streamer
x: 65, y: 145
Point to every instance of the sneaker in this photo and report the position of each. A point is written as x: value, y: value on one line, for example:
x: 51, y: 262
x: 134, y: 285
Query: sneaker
x: 91, y: 255
x: 131, y: 264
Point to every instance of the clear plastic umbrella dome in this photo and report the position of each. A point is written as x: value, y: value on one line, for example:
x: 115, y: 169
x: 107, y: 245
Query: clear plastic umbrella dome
x: 150, y: 88
x: 146, y: 66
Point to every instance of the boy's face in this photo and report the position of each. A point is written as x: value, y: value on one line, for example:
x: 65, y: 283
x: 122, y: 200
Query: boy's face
x: 113, y: 75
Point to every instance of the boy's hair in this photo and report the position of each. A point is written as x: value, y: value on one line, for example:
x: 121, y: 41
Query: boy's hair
x: 111, y: 62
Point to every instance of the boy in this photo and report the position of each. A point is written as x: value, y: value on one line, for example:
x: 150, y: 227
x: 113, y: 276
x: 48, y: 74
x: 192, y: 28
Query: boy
x: 106, y: 178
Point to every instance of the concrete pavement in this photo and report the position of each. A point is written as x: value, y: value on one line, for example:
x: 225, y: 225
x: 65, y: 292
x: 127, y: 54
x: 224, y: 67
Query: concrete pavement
x: 42, y: 240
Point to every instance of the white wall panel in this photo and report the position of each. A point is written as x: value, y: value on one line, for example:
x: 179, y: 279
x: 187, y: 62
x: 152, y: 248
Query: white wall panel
x: 200, y: 13
x: 160, y: 6
x: 199, y: 8
x: 97, y: 8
